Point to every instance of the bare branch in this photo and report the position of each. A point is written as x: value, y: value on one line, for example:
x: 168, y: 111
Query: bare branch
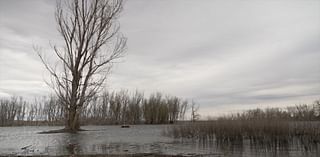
x: 86, y: 28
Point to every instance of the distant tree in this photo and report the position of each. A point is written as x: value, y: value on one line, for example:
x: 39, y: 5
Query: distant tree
x: 183, y: 109
x: 194, y: 112
x: 135, y: 112
x: 92, y: 42
x: 317, y: 108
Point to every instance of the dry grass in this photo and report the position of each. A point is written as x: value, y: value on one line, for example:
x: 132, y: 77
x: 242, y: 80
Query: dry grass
x: 263, y: 132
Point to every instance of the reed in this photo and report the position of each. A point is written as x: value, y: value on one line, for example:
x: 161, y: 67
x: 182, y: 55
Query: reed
x: 274, y: 134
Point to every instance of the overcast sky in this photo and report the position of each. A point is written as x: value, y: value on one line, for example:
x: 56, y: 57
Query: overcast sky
x: 227, y: 55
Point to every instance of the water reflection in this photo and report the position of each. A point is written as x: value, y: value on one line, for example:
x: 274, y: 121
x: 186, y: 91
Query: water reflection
x: 293, y: 147
x: 71, y: 143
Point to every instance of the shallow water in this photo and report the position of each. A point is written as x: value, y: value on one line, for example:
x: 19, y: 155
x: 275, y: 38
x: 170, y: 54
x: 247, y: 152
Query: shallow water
x: 137, y: 139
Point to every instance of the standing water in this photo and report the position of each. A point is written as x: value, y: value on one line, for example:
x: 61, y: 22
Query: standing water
x: 134, y: 140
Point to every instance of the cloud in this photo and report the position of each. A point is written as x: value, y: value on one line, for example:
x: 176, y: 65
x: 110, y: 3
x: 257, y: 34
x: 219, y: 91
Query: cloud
x: 222, y: 54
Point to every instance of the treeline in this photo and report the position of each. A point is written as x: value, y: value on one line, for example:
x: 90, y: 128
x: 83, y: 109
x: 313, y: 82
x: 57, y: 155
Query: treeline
x: 17, y: 111
x: 109, y: 108
x: 303, y: 112
x: 12, y: 111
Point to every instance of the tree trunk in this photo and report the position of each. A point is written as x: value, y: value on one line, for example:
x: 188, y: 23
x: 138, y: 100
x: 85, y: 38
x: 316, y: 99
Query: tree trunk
x: 72, y: 120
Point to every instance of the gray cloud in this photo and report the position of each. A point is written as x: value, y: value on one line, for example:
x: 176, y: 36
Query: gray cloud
x: 222, y: 54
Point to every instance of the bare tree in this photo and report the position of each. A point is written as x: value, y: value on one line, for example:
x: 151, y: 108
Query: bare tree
x: 194, y: 112
x: 183, y: 109
x: 92, y: 42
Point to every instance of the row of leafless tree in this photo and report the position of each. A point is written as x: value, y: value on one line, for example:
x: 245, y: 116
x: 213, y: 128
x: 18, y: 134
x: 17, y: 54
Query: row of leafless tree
x: 125, y: 108
x: 109, y: 108
x: 12, y: 111
x: 16, y: 111
x: 302, y: 112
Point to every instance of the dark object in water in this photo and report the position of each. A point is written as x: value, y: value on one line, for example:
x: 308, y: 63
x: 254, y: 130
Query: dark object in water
x: 23, y: 148
x: 125, y: 126
x: 60, y: 131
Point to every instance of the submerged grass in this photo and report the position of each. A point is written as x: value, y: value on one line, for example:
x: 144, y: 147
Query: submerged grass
x: 273, y: 133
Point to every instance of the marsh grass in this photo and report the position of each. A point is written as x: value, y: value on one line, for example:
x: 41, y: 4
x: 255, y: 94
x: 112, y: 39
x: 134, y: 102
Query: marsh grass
x: 266, y: 133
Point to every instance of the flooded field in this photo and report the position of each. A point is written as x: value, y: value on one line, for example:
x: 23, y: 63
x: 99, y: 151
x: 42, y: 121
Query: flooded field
x: 135, y: 140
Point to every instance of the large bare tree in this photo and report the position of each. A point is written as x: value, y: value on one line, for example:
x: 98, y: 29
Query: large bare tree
x: 92, y: 43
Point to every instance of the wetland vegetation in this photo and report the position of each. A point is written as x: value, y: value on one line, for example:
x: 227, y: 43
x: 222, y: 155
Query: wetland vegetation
x: 271, y: 128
